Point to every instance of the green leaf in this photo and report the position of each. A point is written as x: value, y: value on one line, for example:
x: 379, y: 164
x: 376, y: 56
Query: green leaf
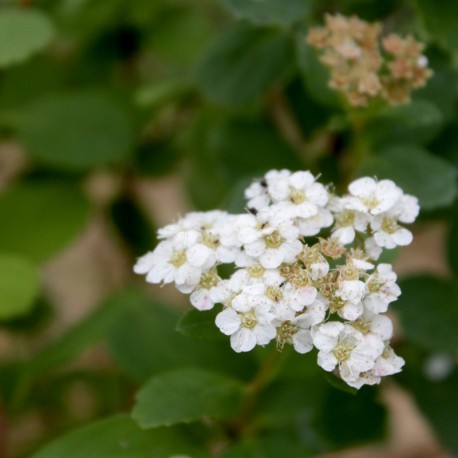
x: 416, y: 122
x: 184, y: 396
x: 315, y: 75
x: 200, y: 325
x: 267, y: 447
x: 437, y: 398
x: 275, y: 12
x: 86, y: 333
x: 428, y: 311
x: 338, y: 383
x: 120, y: 437
x: 23, y: 32
x: 452, y: 237
x: 346, y: 420
x: 441, y: 23
x: 75, y: 132
x: 40, y: 219
x: 144, y: 342
x: 242, y: 64
x: 19, y: 286
x: 417, y: 172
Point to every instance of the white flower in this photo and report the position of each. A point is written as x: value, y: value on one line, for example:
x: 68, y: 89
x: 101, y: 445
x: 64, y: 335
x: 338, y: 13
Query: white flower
x: 247, y: 329
x: 343, y: 346
x: 372, y: 323
x: 372, y: 249
x: 313, y: 224
x: 347, y: 222
x: 371, y: 196
x: 271, y: 245
x: 406, y: 209
x: 207, y: 292
x: 180, y: 261
x: 388, y: 233
x: 351, y: 290
x: 388, y: 363
x: 381, y: 288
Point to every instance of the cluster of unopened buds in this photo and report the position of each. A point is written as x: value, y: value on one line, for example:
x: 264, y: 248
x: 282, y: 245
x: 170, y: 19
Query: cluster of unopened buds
x: 365, y: 66
x: 304, y: 269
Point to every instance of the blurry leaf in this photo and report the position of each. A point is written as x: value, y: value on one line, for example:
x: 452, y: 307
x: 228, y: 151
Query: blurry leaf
x: 23, y: 32
x: 184, y: 396
x: 200, y: 325
x: 417, y: 172
x: 267, y: 447
x: 144, y: 342
x: 418, y: 122
x: 180, y: 35
x: 428, y: 311
x: 119, y: 437
x: 158, y: 93
x: 441, y: 23
x: 40, y: 219
x: 338, y: 383
x: 86, y: 333
x: 316, y: 76
x: 133, y: 226
x: 18, y: 286
x: 157, y: 157
x: 277, y: 12
x: 437, y: 399
x: 346, y: 420
x: 452, y: 245
x: 75, y: 132
x: 242, y: 64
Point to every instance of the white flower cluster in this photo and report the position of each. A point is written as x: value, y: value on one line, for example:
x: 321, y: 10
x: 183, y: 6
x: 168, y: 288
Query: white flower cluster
x: 290, y: 282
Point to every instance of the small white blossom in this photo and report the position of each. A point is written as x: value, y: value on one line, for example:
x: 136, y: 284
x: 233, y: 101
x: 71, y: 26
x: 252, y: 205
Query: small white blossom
x: 382, y: 289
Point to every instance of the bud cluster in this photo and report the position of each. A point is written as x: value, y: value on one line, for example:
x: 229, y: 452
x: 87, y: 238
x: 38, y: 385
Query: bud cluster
x: 305, y: 270
x: 364, y: 65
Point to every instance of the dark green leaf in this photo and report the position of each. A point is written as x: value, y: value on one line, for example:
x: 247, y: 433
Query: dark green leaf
x: 40, y: 219
x: 120, y: 437
x: 89, y: 331
x: 154, y: 345
x: 277, y: 12
x: 338, y: 383
x: 417, y: 172
x: 441, y: 23
x: 267, y: 447
x: 132, y: 225
x: 416, y: 122
x: 184, y: 396
x: 315, y: 74
x: 18, y: 286
x: 242, y: 64
x: 23, y: 32
x: 346, y: 420
x: 200, y: 325
x: 452, y: 245
x: 437, y: 397
x: 75, y: 132
x: 428, y: 310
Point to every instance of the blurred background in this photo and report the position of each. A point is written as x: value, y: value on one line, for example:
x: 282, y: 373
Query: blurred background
x: 117, y: 117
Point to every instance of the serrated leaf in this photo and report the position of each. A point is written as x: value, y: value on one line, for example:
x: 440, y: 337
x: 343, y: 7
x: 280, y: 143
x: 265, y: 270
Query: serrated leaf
x: 186, y: 395
x: 19, y: 286
x: 430, y: 178
x: 40, y: 219
x: 428, y: 311
x: 23, y: 32
x: 200, y: 325
x: 75, y: 132
x: 120, y: 437
x: 242, y: 63
x: 269, y: 12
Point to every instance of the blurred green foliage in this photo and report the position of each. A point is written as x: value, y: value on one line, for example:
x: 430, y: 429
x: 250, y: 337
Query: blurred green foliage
x: 215, y: 92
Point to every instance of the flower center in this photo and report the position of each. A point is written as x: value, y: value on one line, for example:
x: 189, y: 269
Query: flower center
x: 273, y: 240
x: 296, y: 196
x: 362, y: 326
x: 389, y: 226
x: 349, y: 272
x: 248, y: 320
x: 346, y: 218
x: 274, y: 294
x: 285, y: 334
x: 342, y: 351
x: 178, y: 258
x: 210, y: 240
x: 370, y: 202
x: 256, y: 271
x: 209, y: 279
